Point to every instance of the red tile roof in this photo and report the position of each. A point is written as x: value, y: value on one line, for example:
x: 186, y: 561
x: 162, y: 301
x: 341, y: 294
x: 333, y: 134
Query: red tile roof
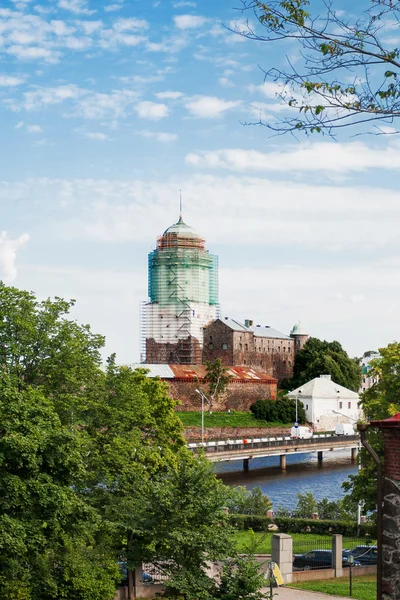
x: 247, y: 374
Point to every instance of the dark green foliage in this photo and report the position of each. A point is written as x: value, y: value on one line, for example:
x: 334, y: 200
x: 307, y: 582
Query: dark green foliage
x: 380, y: 401
x: 245, y: 502
x: 325, y: 358
x: 307, y: 505
x: 245, y: 522
x: 292, y: 525
x: 241, y: 579
x: 279, y: 411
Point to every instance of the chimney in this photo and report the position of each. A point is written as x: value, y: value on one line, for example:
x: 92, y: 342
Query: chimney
x: 326, y: 377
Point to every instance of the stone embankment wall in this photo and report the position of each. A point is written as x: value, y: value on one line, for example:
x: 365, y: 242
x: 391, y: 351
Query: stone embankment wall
x: 225, y: 433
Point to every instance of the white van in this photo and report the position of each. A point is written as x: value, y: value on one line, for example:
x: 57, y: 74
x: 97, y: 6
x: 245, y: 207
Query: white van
x: 301, y: 433
x: 344, y: 429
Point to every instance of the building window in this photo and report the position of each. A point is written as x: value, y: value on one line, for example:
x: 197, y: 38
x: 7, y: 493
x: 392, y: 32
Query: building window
x: 224, y: 346
x: 211, y: 346
x: 340, y: 404
x: 244, y: 362
x: 279, y: 348
x: 349, y: 405
x: 290, y: 363
x: 210, y: 338
x: 240, y: 346
x: 246, y: 347
x: 306, y: 406
x: 284, y: 349
x: 260, y: 363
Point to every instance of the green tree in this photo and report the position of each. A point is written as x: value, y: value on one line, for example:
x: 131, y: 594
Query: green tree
x: 47, y: 532
x: 279, y: 411
x: 379, y: 402
x: 248, y: 502
x: 306, y: 505
x: 241, y: 579
x: 217, y: 378
x: 347, y: 72
x: 319, y: 357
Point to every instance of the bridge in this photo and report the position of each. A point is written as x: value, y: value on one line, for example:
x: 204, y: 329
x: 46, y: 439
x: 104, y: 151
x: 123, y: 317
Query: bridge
x: 246, y: 449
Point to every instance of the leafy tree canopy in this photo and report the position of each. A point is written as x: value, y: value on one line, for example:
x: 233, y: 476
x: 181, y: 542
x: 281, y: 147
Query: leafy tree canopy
x: 347, y: 65
x: 319, y: 357
x: 379, y: 402
x: 279, y: 411
x: 217, y: 378
x: 245, y: 502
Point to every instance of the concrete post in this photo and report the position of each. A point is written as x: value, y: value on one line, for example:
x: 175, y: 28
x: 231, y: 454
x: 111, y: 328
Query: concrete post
x: 282, y: 555
x: 246, y: 464
x: 320, y: 456
x: 283, y: 462
x: 354, y: 453
x: 337, y: 550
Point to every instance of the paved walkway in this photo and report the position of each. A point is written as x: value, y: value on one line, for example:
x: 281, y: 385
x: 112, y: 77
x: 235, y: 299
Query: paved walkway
x: 285, y: 593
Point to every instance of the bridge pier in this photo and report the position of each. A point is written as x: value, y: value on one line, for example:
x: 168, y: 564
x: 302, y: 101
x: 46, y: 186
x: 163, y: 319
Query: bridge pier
x: 354, y: 453
x: 245, y: 464
x: 283, y: 461
x: 320, y: 456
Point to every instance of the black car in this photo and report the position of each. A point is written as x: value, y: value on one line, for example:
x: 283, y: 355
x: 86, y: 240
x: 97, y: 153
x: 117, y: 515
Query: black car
x: 318, y: 559
x: 365, y: 555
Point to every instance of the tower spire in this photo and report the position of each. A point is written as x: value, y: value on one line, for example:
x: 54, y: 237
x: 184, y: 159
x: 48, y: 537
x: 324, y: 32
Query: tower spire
x: 180, y: 206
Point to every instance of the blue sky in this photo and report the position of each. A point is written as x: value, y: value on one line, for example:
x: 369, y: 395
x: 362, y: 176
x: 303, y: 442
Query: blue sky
x: 108, y: 109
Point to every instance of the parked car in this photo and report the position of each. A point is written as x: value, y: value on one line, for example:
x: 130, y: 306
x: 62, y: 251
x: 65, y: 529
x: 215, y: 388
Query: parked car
x: 344, y: 429
x: 318, y: 559
x: 365, y: 555
x: 302, y: 433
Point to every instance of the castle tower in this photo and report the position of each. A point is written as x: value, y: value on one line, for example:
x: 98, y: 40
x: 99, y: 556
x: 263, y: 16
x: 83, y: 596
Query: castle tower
x: 300, y: 336
x: 183, y: 297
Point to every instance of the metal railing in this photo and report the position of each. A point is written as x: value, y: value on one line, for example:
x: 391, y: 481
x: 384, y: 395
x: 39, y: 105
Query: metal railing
x: 275, y: 442
x: 312, y: 554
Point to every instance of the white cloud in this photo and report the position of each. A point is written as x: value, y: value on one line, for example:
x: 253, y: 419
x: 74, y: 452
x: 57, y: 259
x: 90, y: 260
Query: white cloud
x: 130, y: 24
x: 184, y: 3
x: 79, y: 7
x: 34, y: 129
x: 151, y: 110
x: 209, y: 106
x: 33, y: 53
x: 169, y: 95
x: 9, y: 81
x: 83, y: 102
x: 160, y: 136
x: 189, y: 21
x: 8, y: 254
x: 317, y: 156
x: 97, y: 136
x: 112, y: 7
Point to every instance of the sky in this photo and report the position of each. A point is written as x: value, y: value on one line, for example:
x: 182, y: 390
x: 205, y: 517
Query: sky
x: 109, y: 108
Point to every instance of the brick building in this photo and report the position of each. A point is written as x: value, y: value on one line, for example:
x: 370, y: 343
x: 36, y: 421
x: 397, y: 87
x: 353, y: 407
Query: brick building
x: 245, y: 387
x: 256, y: 346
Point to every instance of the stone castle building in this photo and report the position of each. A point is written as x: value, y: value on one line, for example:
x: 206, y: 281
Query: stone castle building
x: 256, y: 346
x: 180, y: 322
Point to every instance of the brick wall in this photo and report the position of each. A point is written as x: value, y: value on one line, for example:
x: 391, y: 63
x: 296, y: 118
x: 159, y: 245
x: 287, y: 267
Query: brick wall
x: 392, y: 453
x: 238, y: 395
x: 187, y: 351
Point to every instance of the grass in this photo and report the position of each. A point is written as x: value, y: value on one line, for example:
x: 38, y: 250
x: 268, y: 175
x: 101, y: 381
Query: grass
x: 364, y: 587
x: 223, y: 419
x: 260, y: 543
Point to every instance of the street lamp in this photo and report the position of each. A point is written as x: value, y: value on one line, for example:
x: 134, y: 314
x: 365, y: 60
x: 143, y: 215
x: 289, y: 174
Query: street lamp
x: 271, y: 567
x: 351, y: 563
x: 359, y: 468
x: 202, y: 396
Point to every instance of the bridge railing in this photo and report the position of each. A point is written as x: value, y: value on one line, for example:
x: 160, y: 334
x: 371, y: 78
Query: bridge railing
x: 275, y: 442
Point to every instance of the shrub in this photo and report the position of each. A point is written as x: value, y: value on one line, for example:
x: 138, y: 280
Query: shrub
x: 279, y: 411
x: 288, y: 525
x: 255, y: 522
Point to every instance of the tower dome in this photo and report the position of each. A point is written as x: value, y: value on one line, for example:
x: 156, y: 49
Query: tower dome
x: 180, y: 235
x: 298, y: 329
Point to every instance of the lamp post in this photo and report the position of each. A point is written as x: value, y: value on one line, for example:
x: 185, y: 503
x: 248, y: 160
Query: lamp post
x: 351, y: 563
x: 271, y: 567
x: 359, y: 468
x: 202, y: 396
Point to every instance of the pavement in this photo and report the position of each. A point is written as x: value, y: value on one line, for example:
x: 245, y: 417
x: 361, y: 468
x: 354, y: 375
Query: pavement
x: 285, y: 593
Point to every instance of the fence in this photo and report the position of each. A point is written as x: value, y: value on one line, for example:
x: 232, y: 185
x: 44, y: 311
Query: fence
x: 312, y: 554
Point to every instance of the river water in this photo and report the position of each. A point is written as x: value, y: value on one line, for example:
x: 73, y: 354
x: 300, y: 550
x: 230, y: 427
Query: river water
x: 303, y: 474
